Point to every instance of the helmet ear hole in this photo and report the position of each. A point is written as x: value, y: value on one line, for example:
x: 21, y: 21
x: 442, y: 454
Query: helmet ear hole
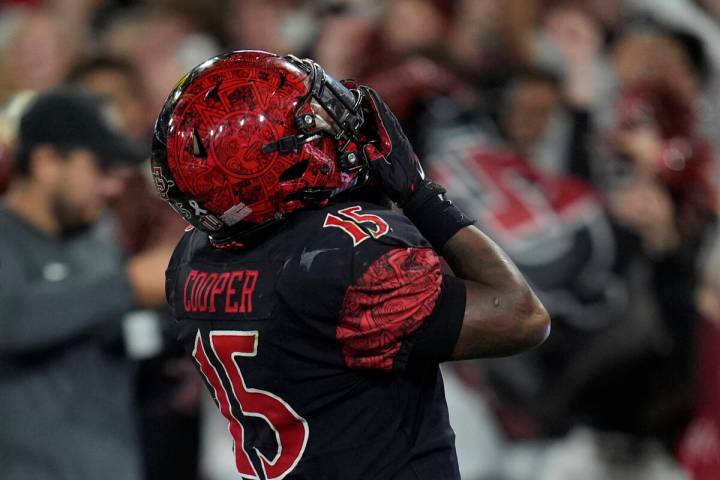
x: 294, y: 172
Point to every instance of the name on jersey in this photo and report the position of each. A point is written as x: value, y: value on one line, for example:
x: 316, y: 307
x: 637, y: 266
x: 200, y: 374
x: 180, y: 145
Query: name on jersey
x: 226, y: 292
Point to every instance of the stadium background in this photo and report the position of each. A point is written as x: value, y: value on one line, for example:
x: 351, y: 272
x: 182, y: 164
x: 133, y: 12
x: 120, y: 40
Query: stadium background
x: 582, y: 136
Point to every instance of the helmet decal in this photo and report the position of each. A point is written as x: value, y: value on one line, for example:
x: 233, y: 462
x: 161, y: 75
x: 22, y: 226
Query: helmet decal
x: 162, y: 184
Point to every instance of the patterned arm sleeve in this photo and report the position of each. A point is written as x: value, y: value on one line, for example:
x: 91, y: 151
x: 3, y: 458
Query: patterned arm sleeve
x: 401, y: 307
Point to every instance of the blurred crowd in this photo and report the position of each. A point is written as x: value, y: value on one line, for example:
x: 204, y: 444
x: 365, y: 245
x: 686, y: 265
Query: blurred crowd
x: 582, y: 136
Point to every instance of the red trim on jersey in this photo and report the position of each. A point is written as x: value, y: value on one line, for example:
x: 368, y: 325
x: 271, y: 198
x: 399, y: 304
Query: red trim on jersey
x: 390, y: 301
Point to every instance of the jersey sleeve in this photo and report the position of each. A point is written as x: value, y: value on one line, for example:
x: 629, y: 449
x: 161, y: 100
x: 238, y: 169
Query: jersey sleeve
x: 384, y: 301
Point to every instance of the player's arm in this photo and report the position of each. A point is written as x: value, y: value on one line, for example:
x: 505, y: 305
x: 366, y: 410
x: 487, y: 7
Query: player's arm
x: 502, y: 315
x: 37, y: 314
x: 43, y: 314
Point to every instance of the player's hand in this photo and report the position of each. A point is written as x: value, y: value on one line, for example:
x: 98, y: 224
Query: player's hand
x: 390, y: 155
x: 146, y: 272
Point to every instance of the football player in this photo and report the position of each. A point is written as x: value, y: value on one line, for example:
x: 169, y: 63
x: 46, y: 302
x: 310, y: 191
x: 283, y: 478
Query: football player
x: 316, y: 314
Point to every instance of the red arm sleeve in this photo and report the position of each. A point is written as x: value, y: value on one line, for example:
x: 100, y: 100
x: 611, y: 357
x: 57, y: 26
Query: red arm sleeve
x: 384, y: 314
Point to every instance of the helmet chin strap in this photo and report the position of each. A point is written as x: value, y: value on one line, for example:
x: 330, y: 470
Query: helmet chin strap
x: 243, y: 234
x: 289, y: 144
x: 350, y: 161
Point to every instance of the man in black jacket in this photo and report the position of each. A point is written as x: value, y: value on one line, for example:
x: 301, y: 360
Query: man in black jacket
x: 65, y: 389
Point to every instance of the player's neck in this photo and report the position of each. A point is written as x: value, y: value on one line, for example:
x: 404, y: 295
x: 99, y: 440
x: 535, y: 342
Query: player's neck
x: 364, y: 194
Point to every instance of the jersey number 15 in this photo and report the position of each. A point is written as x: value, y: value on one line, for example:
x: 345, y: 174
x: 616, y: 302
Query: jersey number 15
x: 237, y: 402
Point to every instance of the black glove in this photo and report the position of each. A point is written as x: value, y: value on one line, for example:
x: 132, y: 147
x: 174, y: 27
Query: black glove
x: 394, y: 164
x: 390, y: 155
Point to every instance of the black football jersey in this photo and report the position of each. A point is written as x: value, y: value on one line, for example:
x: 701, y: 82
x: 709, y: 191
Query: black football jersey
x: 321, y: 345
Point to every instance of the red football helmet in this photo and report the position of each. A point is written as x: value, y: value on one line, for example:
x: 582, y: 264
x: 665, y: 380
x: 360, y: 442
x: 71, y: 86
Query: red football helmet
x: 248, y: 137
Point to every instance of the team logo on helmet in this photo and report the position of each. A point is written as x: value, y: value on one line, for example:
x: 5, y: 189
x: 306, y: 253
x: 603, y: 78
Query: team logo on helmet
x: 162, y: 184
x: 184, y: 212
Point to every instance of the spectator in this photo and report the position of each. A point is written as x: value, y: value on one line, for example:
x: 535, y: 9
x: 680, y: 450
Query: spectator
x: 657, y: 134
x: 646, y: 54
x: 160, y: 43
x: 406, y: 65
x: 119, y: 82
x: 65, y: 383
x: 493, y: 35
x: 531, y: 101
x: 9, y: 119
x: 270, y: 25
x: 166, y: 404
x: 343, y: 41
x: 37, y: 51
x: 666, y: 207
x: 602, y: 344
